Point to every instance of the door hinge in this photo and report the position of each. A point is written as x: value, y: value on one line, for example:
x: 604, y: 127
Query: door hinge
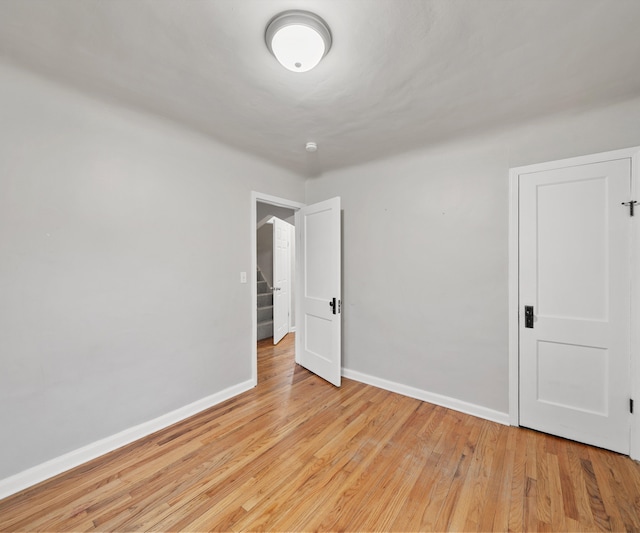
x: 631, y: 405
x: 630, y: 204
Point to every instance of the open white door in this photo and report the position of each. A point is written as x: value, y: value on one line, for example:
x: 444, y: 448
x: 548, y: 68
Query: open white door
x: 281, y: 278
x: 318, y: 298
x: 574, y: 302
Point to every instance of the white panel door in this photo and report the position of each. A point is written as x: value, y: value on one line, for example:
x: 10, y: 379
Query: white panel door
x: 318, y: 305
x: 281, y: 278
x: 575, y: 273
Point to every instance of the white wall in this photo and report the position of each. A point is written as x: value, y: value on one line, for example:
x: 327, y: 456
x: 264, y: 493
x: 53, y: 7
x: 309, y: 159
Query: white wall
x: 121, y: 241
x: 426, y: 252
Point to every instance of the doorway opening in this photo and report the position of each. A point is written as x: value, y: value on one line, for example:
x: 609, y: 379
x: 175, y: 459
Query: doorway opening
x: 272, y: 270
x: 275, y: 236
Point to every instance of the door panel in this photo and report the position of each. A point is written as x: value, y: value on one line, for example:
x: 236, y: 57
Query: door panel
x: 574, y: 270
x: 567, y: 263
x: 318, y: 324
x: 571, y: 376
x: 281, y: 278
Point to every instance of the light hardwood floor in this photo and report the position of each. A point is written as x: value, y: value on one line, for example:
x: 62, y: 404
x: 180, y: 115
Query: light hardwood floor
x: 297, y: 454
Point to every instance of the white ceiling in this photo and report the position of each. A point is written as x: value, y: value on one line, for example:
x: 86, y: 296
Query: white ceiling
x: 401, y: 73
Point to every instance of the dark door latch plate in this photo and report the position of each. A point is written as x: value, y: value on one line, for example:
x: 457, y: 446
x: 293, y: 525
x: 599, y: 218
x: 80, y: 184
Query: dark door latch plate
x: 528, y: 316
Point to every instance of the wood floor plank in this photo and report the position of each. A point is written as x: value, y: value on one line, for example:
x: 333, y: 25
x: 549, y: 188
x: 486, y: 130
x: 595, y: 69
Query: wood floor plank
x: 524, y: 470
x: 443, y: 473
x: 470, y: 485
x: 556, y: 499
x: 575, y: 454
x: 612, y: 507
x: 494, y: 477
x: 433, y: 432
x: 528, y: 518
x: 501, y: 508
x: 600, y: 516
x: 543, y: 493
x: 489, y: 472
x: 297, y: 454
x: 567, y: 485
x: 452, y: 495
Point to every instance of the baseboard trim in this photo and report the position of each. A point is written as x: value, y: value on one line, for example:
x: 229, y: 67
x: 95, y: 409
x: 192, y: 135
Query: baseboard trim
x: 53, y: 467
x: 431, y: 397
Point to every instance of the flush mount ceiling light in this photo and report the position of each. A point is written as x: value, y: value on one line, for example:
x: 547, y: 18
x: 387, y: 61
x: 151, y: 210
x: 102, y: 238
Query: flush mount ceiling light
x: 298, y: 39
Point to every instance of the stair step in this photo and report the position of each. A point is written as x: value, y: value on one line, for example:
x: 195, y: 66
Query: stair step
x: 263, y: 287
x: 265, y: 329
x: 265, y: 313
x: 265, y: 307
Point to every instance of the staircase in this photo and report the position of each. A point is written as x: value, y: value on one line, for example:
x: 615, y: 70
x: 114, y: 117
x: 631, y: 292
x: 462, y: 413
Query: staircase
x: 265, y: 308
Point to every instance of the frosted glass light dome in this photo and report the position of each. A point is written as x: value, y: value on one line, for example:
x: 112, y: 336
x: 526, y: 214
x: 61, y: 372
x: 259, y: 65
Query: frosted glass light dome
x: 298, y: 39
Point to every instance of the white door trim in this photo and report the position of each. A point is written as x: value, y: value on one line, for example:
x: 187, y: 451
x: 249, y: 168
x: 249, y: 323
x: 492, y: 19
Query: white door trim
x: 280, y: 202
x: 627, y: 153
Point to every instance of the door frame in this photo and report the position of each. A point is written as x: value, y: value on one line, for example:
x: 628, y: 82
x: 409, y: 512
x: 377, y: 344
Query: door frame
x: 253, y: 278
x: 514, y: 307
